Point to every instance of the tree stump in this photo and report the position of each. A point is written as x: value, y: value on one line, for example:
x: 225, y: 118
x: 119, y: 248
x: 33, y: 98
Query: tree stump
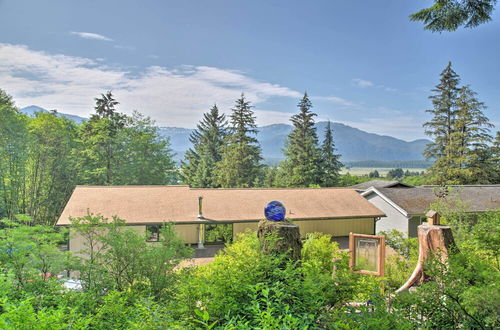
x: 280, y: 237
x: 433, y: 240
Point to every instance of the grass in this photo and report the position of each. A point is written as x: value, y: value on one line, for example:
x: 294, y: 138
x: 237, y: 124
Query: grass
x: 381, y: 170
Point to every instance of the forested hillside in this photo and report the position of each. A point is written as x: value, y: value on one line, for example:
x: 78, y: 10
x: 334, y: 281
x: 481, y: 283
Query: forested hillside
x: 44, y: 156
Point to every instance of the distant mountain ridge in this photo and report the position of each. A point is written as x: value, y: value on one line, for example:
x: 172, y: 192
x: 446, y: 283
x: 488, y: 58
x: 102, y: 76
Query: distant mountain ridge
x: 33, y: 109
x: 352, y: 143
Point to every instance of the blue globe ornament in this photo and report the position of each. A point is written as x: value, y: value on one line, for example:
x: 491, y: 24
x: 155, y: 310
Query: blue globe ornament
x: 275, y: 211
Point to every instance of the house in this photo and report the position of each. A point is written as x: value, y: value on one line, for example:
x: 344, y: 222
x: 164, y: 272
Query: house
x: 363, y: 186
x: 405, y: 207
x: 335, y: 211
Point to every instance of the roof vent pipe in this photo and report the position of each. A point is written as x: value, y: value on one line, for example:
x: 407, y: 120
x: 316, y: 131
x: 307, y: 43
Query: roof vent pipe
x: 200, y: 208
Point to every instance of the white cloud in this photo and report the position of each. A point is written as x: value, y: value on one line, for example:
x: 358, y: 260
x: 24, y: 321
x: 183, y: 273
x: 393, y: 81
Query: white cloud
x: 92, y: 36
x: 175, y: 97
x: 335, y: 99
x: 362, y: 83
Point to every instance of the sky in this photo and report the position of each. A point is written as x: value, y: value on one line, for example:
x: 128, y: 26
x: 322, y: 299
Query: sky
x: 363, y: 63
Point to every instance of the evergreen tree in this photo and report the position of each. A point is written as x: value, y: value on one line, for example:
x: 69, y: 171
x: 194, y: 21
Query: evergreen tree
x: 449, y: 15
x: 198, y: 168
x: 241, y: 156
x: 302, y: 164
x: 444, y: 113
x: 468, y: 146
x: 330, y: 162
x: 461, y: 134
x: 101, y: 142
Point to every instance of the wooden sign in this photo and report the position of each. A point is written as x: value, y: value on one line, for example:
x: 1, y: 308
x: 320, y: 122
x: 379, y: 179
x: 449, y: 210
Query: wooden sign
x: 367, y: 254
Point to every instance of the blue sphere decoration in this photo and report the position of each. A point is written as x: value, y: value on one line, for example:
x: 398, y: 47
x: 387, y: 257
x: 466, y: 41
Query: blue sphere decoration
x: 275, y: 211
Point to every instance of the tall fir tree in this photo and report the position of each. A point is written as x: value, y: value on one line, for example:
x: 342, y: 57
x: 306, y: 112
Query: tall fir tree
x: 240, y: 165
x: 302, y: 164
x: 461, y: 134
x: 198, y: 167
x: 330, y: 161
x: 444, y: 111
x: 468, y: 146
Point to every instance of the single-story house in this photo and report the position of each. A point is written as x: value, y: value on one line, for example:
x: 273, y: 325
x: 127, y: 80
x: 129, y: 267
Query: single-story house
x: 335, y: 211
x: 363, y: 186
x: 406, y: 207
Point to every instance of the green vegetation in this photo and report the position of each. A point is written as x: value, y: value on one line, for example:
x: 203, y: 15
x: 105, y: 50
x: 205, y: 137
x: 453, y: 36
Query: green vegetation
x: 240, y: 160
x: 131, y: 284
x: 43, y: 158
x: 461, y: 135
x: 449, y: 15
x: 302, y: 164
x: 198, y: 169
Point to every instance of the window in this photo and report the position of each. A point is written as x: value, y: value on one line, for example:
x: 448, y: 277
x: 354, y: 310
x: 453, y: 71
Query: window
x: 153, y: 233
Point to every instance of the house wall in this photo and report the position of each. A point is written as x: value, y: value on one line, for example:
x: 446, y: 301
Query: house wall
x: 334, y: 227
x: 393, y: 220
x: 188, y: 233
x: 414, y: 222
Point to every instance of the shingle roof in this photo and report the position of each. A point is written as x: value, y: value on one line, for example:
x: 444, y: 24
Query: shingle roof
x: 379, y: 184
x: 417, y: 200
x: 152, y: 204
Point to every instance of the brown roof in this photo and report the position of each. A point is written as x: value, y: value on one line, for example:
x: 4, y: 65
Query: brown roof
x: 380, y: 184
x: 476, y: 198
x: 153, y: 204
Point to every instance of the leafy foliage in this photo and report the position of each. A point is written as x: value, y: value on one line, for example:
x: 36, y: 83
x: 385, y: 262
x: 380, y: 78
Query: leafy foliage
x: 449, y: 15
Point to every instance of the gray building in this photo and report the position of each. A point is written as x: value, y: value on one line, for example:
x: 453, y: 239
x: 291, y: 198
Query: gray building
x: 405, y: 207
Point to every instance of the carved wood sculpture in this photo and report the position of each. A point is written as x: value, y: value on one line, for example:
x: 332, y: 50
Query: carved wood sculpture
x: 433, y: 239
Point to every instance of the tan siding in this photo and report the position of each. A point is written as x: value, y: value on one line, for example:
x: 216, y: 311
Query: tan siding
x: 334, y: 227
x: 188, y: 233
x: 242, y: 227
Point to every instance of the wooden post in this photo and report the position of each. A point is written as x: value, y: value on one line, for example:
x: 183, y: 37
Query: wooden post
x: 287, y: 238
x: 433, y: 240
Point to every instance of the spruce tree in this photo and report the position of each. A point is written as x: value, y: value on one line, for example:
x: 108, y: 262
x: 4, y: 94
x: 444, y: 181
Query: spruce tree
x: 468, y: 146
x: 461, y: 134
x: 330, y: 162
x: 240, y: 165
x: 444, y: 112
x: 198, y: 168
x: 302, y: 164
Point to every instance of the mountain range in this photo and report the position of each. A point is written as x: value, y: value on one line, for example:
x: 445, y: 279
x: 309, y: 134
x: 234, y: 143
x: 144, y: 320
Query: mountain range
x: 352, y: 143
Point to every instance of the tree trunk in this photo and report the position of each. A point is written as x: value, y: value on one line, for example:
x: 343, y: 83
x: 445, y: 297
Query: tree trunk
x: 280, y: 237
x: 433, y: 240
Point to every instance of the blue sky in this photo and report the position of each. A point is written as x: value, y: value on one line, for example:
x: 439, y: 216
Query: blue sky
x: 362, y: 62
